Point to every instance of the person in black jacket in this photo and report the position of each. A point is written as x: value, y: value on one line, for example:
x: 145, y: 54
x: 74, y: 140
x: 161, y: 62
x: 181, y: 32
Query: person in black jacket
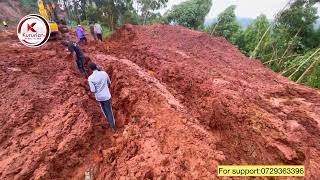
x: 74, y: 47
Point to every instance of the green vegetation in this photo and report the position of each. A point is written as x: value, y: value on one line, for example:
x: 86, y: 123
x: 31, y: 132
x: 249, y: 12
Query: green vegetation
x: 226, y: 25
x: 249, y: 39
x: 289, y: 45
x: 114, y: 13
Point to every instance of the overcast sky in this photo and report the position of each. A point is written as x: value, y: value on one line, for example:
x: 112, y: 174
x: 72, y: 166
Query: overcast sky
x: 245, y: 8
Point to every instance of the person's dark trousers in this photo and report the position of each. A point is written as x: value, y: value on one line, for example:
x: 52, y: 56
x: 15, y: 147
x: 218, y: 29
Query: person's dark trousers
x: 99, y: 36
x: 94, y: 36
x: 83, y: 40
x: 80, y: 61
x: 107, y: 111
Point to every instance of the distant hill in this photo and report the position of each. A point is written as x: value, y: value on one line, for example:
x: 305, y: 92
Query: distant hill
x: 244, y: 22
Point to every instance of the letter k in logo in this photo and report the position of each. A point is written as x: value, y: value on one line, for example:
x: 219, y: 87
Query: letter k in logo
x: 30, y: 27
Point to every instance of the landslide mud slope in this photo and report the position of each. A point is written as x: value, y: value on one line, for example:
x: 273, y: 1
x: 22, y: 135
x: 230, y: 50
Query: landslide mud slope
x: 184, y: 102
x: 52, y: 128
x: 257, y: 116
x: 48, y: 122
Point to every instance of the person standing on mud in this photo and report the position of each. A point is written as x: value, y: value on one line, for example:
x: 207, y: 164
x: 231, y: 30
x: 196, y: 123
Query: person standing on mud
x: 98, y: 30
x: 92, y: 31
x: 81, y: 35
x: 74, y: 47
x: 99, y: 83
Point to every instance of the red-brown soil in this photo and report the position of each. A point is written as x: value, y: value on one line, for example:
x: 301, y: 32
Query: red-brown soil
x: 184, y: 102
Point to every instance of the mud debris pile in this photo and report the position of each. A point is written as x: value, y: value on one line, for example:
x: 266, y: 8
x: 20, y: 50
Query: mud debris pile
x: 184, y: 102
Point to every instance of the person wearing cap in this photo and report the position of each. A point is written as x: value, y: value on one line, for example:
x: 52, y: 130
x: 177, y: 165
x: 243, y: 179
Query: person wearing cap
x: 81, y: 35
x: 99, y: 83
x: 74, y: 47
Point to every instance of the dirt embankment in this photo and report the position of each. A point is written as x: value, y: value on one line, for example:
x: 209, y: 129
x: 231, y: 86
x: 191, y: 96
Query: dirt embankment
x: 48, y: 123
x: 184, y: 102
x: 257, y: 116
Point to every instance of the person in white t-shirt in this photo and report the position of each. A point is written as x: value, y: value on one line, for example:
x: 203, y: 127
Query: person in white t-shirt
x: 98, y: 30
x: 99, y: 83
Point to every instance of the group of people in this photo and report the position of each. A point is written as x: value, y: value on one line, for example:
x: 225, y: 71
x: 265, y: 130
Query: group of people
x: 99, y: 81
x: 95, y: 30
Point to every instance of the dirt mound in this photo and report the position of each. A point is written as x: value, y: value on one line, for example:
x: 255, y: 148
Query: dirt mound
x: 258, y: 116
x: 47, y: 119
x: 184, y: 102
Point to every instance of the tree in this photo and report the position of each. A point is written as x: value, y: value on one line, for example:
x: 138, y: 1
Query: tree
x: 298, y: 21
x: 190, y: 13
x: 252, y: 36
x: 148, y: 6
x: 110, y: 12
x: 92, y: 13
x: 156, y: 18
x: 131, y: 17
x: 227, y: 25
x: 297, y: 43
